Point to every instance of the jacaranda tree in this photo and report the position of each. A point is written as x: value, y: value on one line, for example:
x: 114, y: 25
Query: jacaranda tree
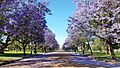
x: 26, y: 21
x: 50, y: 41
x: 6, y: 7
x: 99, y: 18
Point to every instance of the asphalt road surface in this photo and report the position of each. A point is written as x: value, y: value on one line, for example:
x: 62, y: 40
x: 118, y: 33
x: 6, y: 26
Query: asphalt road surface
x: 57, y: 60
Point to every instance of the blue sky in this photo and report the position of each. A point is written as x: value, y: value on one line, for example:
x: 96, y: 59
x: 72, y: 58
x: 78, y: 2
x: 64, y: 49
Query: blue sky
x: 57, y: 22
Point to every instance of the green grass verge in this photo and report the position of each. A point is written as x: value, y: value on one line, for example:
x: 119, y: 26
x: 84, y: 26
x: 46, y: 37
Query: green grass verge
x: 102, y: 56
x: 8, y: 58
x: 12, y: 55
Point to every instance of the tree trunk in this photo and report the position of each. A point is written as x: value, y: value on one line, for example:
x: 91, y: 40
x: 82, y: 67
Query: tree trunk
x: 23, y: 50
x: 83, y: 52
x: 90, y: 48
x: 24, y: 46
x: 112, y: 52
x: 35, y: 49
x: 91, y: 51
x: 83, y: 49
x: 107, y: 49
x: 44, y: 49
x: 2, y: 51
x: 31, y: 50
x: 4, y: 45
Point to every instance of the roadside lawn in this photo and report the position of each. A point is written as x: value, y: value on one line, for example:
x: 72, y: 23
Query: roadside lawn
x: 12, y: 55
x: 102, y: 56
